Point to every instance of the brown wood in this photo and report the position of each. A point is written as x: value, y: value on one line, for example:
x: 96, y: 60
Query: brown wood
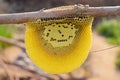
x: 58, y: 12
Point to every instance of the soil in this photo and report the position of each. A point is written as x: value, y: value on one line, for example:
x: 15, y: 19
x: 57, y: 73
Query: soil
x: 102, y: 63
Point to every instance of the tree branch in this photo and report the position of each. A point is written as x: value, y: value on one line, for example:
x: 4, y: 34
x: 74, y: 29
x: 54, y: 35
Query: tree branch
x: 63, y: 11
x: 12, y: 42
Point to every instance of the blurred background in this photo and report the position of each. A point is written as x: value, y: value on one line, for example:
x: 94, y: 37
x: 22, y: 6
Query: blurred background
x: 103, y: 62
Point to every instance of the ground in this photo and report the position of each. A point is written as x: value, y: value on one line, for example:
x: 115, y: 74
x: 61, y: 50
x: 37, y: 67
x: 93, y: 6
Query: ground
x: 102, y: 64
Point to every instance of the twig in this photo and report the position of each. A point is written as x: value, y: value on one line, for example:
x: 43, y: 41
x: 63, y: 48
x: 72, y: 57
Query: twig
x: 13, y: 42
x: 59, y: 12
x: 17, y: 70
x: 28, y: 70
x: 12, y: 71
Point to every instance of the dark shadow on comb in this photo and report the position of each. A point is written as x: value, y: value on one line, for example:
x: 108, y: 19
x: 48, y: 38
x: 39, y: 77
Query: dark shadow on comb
x: 59, y: 31
x: 47, y: 35
x: 52, y: 39
x: 68, y: 17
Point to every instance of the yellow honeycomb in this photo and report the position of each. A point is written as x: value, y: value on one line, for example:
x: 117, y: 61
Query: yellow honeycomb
x: 59, y: 35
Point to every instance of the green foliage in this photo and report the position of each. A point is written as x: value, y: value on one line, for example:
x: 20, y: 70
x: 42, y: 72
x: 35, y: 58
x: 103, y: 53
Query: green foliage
x: 6, y: 31
x: 111, y: 30
x: 118, y: 60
